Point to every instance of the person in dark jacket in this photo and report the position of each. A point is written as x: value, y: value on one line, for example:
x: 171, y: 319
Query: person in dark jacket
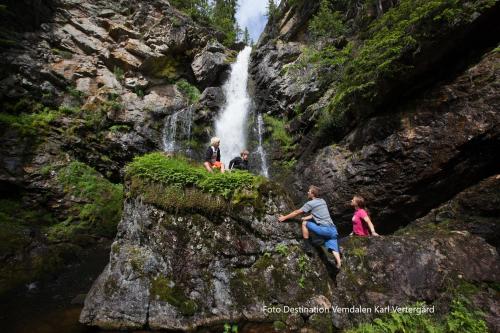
x: 240, y: 162
x: 212, y: 156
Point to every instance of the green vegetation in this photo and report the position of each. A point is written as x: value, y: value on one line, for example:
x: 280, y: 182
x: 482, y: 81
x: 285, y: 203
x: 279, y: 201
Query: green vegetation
x: 282, y: 249
x: 168, y: 291
x: 180, y: 173
x: 327, y: 23
x: 34, y: 124
x: 97, y: 208
x: 77, y: 94
x: 191, y: 92
x: 461, y: 318
x: 279, y: 132
x: 63, y: 54
x: 304, y: 268
x: 228, y: 328
x: 381, y: 53
x: 271, y: 10
x: 119, y: 74
x: 278, y: 325
x: 223, y: 18
x: 119, y: 128
x: 176, y: 184
x: 218, y: 13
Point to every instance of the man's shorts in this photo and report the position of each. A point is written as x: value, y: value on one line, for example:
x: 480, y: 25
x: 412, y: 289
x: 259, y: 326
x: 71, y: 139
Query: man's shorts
x: 216, y: 165
x: 328, y: 233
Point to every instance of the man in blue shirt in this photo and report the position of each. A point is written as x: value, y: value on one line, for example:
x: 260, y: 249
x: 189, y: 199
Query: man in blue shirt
x: 319, y: 222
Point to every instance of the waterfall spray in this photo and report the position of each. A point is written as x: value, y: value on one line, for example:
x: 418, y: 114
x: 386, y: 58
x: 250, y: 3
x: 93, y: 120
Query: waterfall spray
x: 231, y: 126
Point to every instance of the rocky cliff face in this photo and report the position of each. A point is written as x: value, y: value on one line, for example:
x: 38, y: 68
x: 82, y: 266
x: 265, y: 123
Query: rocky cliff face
x: 392, y: 126
x: 392, y: 102
x: 170, y: 269
x: 91, y: 82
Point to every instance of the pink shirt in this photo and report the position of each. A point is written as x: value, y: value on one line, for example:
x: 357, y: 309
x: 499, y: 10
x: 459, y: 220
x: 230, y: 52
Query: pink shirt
x: 359, y: 226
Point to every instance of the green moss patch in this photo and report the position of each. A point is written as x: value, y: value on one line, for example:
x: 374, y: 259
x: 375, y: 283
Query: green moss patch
x: 165, y: 289
x: 191, y: 93
x: 97, y: 204
x: 177, y: 183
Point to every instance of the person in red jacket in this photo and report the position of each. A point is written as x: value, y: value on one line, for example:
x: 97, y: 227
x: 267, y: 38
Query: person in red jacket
x: 361, y: 223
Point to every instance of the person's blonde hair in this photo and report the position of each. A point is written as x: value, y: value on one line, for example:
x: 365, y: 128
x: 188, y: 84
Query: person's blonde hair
x: 214, y: 140
x: 244, y: 152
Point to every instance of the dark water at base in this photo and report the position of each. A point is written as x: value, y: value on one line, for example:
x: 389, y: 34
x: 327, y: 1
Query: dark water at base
x: 53, y: 306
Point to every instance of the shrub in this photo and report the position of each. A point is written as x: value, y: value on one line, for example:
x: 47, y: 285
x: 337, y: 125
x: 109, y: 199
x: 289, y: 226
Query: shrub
x: 98, y: 204
x: 191, y: 92
x: 460, y: 319
x: 279, y: 132
x: 119, y: 74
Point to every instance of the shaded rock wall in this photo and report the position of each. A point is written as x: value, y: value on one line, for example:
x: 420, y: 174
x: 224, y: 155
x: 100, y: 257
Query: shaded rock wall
x: 180, y: 271
x: 90, y: 81
x: 406, y: 146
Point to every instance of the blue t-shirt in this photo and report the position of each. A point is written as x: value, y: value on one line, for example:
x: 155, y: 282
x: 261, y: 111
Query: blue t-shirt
x: 319, y: 211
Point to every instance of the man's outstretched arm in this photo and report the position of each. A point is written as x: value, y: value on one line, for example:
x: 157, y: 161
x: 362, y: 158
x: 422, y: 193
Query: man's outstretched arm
x: 293, y: 214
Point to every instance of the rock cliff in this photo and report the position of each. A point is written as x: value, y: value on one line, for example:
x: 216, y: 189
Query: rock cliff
x: 85, y: 87
x: 188, y: 259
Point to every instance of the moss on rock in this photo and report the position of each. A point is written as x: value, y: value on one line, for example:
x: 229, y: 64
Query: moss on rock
x: 165, y: 289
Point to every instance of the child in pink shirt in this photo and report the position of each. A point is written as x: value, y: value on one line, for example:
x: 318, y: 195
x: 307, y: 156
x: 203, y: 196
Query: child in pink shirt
x: 361, y: 223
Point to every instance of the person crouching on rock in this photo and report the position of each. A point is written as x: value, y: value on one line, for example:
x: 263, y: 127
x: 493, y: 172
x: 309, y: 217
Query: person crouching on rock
x: 240, y: 162
x: 319, y: 222
x: 212, y: 156
x: 361, y: 223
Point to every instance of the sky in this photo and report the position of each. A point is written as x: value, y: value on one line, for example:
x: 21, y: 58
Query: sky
x: 252, y: 14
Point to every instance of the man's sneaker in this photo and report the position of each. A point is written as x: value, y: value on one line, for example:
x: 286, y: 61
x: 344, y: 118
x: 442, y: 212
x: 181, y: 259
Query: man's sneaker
x: 307, y: 247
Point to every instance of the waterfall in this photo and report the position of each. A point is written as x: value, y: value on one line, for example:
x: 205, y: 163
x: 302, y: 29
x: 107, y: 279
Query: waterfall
x: 177, y: 131
x: 260, y: 148
x: 231, y: 126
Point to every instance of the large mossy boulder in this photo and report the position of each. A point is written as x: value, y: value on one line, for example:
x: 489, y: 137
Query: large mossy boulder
x: 197, y: 249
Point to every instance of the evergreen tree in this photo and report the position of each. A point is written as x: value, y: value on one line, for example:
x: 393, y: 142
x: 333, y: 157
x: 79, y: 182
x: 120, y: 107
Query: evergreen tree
x: 272, y: 9
x: 224, y: 12
x: 246, y: 37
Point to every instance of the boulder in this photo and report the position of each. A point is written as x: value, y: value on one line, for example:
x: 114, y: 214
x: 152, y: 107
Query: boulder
x: 208, y: 65
x: 212, y: 98
x: 431, y: 264
x: 179, y: 271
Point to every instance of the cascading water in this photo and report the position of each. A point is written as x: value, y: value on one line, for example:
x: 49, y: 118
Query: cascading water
x: 260, y: 148
x: 177, y: 131
x: 231, y: 126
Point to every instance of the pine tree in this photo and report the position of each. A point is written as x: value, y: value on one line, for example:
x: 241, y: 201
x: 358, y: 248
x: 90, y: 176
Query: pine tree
x: 272, y: 9
x: 246, y: 37
x: 224, y: 12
